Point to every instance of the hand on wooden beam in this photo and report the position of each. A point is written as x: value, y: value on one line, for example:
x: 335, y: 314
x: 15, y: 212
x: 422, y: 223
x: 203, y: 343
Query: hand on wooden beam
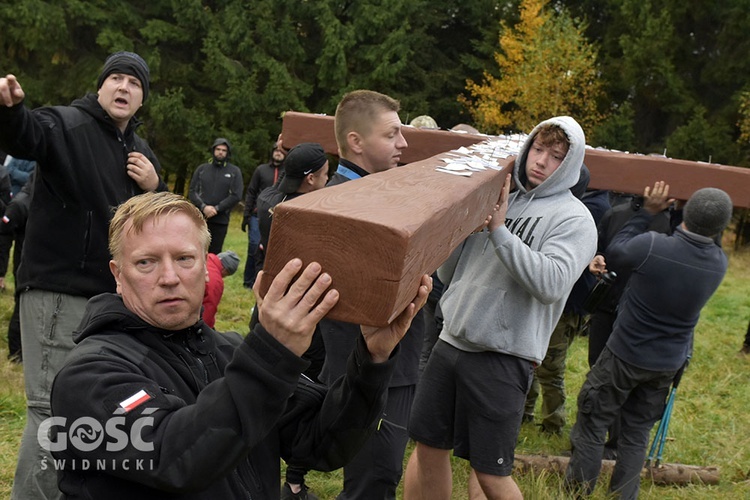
x: 657, y: 199
x: 497, y: 218
x: 288, y: 311
x: 381, y: 341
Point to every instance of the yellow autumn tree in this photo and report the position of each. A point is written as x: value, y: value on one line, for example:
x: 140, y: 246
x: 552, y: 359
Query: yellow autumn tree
x: 546, y: 68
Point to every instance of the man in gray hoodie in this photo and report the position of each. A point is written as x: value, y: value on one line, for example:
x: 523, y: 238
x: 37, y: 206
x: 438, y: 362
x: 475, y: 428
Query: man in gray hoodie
x: 505, y: 291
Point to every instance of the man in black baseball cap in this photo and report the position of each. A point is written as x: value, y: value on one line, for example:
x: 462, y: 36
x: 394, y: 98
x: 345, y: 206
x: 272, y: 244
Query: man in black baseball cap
x: 302, y: 169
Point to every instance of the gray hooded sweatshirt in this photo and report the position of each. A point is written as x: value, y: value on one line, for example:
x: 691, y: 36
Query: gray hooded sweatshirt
x: 505, y: 289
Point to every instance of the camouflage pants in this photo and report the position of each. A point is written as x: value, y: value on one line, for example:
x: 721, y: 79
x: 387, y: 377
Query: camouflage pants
x: 550, y: 375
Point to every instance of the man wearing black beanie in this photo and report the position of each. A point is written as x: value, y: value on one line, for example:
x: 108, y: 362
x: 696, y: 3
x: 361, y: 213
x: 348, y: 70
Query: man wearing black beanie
x: 89, y: 160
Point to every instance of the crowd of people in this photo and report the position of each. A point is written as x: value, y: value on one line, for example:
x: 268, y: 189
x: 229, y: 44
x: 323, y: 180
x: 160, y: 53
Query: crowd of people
x: 114, y: 323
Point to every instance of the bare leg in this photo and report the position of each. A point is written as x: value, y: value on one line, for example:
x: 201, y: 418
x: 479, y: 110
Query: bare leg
x: 475, y: 490
x: 428, y: 474
x: 486, y: 486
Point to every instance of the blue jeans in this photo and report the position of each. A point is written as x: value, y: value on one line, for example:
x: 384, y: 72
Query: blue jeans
x: 48, y: 320
x: 253, y: 240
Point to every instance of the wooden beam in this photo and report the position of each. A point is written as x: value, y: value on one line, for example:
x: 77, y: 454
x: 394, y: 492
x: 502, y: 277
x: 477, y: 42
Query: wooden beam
x: 376, y: 236
x: 616, y: 171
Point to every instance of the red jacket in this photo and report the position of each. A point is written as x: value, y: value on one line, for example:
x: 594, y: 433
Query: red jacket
x: 214, y: 289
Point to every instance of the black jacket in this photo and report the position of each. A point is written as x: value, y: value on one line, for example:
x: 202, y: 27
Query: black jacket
x: 611, y: 224
x: 226, y: 410
x: 218, y: 184
x: 13, y: 228
x: 671, y: 279
x: 81, y: 176
x: 265, y: 176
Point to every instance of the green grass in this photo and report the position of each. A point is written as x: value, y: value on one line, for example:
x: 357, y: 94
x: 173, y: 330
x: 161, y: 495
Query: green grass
x: 710, y: 425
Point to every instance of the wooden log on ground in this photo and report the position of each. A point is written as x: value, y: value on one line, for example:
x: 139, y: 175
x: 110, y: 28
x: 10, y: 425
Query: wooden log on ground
x: 623, y: 172
x: 667, y: 474
x: 376, y: 236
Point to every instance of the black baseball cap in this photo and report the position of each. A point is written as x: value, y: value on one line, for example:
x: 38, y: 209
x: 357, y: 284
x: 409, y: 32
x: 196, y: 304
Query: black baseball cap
x: 302, y: 160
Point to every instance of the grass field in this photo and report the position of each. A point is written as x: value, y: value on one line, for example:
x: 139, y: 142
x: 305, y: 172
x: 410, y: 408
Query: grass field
x: 710, y: 425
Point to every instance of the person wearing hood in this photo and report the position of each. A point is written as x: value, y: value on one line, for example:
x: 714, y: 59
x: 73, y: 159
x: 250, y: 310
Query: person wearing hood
x: 89, y: 159
x: 216, y: 188
x: 505, y: 289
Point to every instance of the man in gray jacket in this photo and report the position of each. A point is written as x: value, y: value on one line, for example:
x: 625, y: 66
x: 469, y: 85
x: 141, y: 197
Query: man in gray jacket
x: 505, y: 291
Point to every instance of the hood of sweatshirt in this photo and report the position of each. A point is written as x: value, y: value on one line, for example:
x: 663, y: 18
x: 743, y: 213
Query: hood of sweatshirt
x: 90, y: 104
x: 567, y: 174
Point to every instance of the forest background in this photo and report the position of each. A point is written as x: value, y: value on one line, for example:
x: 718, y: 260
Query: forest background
x: 643, y: 76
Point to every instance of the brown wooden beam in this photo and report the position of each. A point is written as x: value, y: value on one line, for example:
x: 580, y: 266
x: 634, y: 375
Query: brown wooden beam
x: 623, y: 172
x: 376, y: 236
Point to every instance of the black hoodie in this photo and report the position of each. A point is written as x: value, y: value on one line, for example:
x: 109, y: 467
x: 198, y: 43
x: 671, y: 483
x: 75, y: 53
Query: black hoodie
x: 219, y: 410
x: 81, y: 176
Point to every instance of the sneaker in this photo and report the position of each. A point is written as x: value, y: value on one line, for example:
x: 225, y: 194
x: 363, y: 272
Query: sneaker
x: 304, y: 493
x: 527, y: 418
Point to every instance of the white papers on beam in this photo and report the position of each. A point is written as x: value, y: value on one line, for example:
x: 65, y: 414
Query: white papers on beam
x: 481, y: 156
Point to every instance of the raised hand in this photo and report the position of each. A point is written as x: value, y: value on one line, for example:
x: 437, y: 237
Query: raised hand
x: 381, y: 341
x: 657, y: 199
x: 289, y: 313
x: 11, y: 92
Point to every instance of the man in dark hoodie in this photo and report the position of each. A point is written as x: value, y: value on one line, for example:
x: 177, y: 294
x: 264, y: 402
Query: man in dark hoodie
x: 89, y: 159
x: 186, y: 412
x: 216, y: 188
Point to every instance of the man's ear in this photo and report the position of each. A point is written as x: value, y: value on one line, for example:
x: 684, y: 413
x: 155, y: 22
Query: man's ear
x: 115, y: 270
x: 354, y: 142
x: 205, y: 270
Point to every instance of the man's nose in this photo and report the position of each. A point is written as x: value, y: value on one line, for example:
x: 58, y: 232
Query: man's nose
x: 168, y: 274
x: 401, y: 143
x: 542, y: 159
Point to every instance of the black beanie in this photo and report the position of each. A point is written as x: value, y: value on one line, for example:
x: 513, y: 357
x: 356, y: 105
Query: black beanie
x: 707, y: 212
x: 127, y: 63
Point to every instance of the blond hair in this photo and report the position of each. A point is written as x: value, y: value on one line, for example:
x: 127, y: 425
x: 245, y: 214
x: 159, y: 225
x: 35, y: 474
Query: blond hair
x: 141, y: 208
x: 357, y: 111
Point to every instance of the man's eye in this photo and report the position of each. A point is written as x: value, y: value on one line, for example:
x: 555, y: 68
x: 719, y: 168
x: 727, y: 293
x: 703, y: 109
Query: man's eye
x: 186, y: 261
x: 144, y: 264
